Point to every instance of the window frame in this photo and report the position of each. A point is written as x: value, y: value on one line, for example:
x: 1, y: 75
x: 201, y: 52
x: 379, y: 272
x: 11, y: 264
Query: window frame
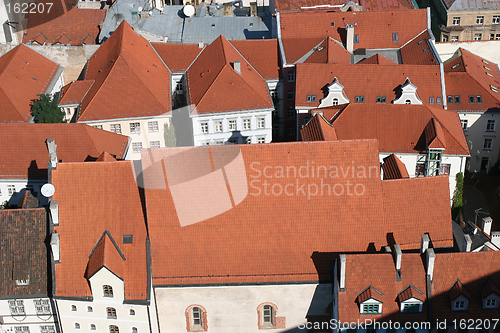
x: 456, y: 20
x: 445, y: 169
x: 359, y: 99
x: 381, y: 99
x: 311, y: 98
x: 266, y: 313
x: 395, y: 37
x: 218, y: 126
x: 16, y: 307
x: 247, y: 124
x: 190, y: 312
x: 291, y: 76
x: 465, y: 123
x: 136, y: 147
x: 115, y: 128
x: 153, y: 126
x: 491, y: 128
x: 135, y: 128
x: 232, y: 122
x: 261, y: 122
x: 488, y: 144
x: 107, y: 291
x: 114, y: 329
x: 480, y: 20
x: 371, y: 308
x: 478, y: 36
x: 154, y: 144
x: 42, y: 306
x: 495, y: 19
x: 204, y: 127
x: 110, y: 313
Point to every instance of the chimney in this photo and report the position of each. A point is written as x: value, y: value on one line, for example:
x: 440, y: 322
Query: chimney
x: 431, y: 257
x: 54, y: 245
x: 397, y: 260
x: 424, y: 245
x: 467, y: 243
x: 201, y: 44
x: 237, y: 66
x: 54, y: 212
x: 228, y: 9
x: 52, y: 148
x: 350, y: 37
x: 343, y: 260
x: 487, y: 221
x: 495, y: 238
x: 253, y: 8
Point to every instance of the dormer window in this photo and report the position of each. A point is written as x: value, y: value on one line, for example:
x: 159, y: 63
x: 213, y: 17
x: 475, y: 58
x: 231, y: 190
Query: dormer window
x: 368, y: 302
x: 411, y: 307
x: 372, y: 308
x: 107, y: 290
x: 460, y: 305
x: 491, y: 303
x: 491, y: 295
x: 411, y: 300
x: 459, y: 297
x: 394, y: 36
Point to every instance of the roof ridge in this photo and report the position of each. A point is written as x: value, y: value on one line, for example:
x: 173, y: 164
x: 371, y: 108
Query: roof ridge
x: 441, y: 123
x: 85, y: 126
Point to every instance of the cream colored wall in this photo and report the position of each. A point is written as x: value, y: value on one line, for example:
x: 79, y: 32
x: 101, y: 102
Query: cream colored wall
x: 468, y: 21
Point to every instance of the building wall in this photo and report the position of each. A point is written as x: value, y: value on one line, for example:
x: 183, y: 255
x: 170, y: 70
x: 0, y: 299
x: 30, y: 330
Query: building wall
x: 468, y: 21
x: 31, y: 319
x: 489, y: 50
x: 234, y: 308
x: 20, y: 186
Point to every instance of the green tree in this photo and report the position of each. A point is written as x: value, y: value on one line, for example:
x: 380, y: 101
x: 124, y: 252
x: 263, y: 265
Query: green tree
x: 45, y: 110
x: 458, y: 195
x: 169, y: 135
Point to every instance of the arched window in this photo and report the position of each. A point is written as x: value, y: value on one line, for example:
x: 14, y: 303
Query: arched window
x: 73, y: 308
x: 90, y: 309
x: 267, y: 315
x: 132, y: 312
x: 407, y: 101
x: 113, y: 329
x: 134, y: 329
x: 335, y: 101
x: 107, y: 290
x: 77, y: 326
x: 196, y: 318
x: 111, y: 313
x: 92, y: 327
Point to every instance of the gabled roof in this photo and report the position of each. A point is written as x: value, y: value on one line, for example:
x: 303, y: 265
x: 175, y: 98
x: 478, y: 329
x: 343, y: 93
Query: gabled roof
x: 301, y: 31
x: 75, y: 143
x: 28, y: 200
x: 215, y: 86
x: 24, y: 254
x: 262, y: 224
x: 489, y: 288
x: 130, y: 79
x: 401, y: 128
x: 86, y: 210
x: 106, y: 253
x: 393, y: 168
x: 74, y: 92
x: 24, y: 74
x: 177, y: 56
x: 64, y: 23
x: 318, y: 129
x: 458, y: 290
x: 328, y: 52
x: 369, y: 293
x: 105, y: 157
x: 376, y: 59
x: 386, y: 5
x: 369, y: 81
x: 418, y: 51
x: 262, y: 54
x: 411, y: 292
x: 470, y: 75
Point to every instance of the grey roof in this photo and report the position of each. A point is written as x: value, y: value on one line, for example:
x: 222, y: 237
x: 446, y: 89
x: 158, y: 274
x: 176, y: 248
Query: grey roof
x: 456, y: 5
x: 176, y: 28
x: 477, y: 236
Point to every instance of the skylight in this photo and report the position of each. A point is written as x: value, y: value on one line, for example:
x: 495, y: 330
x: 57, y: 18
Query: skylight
x: 489, y: 74
x: 455, y: 66
x: 495, y: 89
x: 487, y: 63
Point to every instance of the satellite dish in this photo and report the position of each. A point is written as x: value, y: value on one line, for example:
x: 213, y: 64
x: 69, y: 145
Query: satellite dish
x: 139, y: 9
x: 188, y: 10
x: 48, y: 190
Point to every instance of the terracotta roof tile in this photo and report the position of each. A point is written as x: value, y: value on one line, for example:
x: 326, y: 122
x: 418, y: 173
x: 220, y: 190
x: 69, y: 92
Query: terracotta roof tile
x: 125, y: 63
x: 106, y: 254
x: 329, y: 52
x: 74, y: 92
x: 318, y: 129
x: 489, y: 288
x: 393, y: 168
x: 211, y: 79
x: 457, y: 290
x: 285, y: 5
x: 75, y: 143
x: 239, y: 232
x: 434, y: 135
x: 85, y: 213
x: 177, y: 56
x: 376, y: 59
x: 411, y: 292
x: 370, y: 292
x: 418, y: 51
x: 105, y: 157
x: 262, y: 54
x: 28, y: 200
x: 24, y: 74
x: 63, y: 39
x: 369, y: 81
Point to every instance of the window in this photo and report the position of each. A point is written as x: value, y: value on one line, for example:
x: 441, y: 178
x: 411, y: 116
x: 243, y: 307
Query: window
x: 267, y: 315
x: 92, y: 327
x: 455, y: 66
x: 154, y: 144
x: 136, y: 147
x: 456, y: 21
x: 179, y: 87
x: 218, y: 126
x: 487, y: 63
x: 471, y: 99
x: 497, y: 36
x: 16, y: 308
x: 291, y: 112
x: 459, y: 305
x: 431, y: 100
x: 491, y: 303
x: 111, y: 313
x: 196, y: 318
x: 291, y: 131
x: 490, y: 126
x: 42, y: 306
x: 135, y: 128
x: 77, y: 326
x: 487, y: 144
x: 407, y: 101
x: 107, y: 291
x: 450, y: 99
x: 359, y: 99
x: 261, y: 122
x: 356, y: 39
x: 116, y: 128
x: 394, y: 36
x: 479, y: 99
x: 97, y: 126
x: 464, y: 123
x: 261, y: 139
x: 47, y: 329
x: 291, y: 76
x: 487, y: 68
x: 246, y: 124
x: 457, y: 99
x: 219, y: 142
x: 291, y: 95
x: 411, y: 307
x: 311, y: 98
x: 73, y: 308
x: 492, y: 36
x: 335, y: 101
x: 232, y: 125
x: 248, y: 140
x: 478, y: 36
x: 445, y: 169
x: 113, y: 329
x: 420, y: 169
x: 90, y: 309
x: 445, y: 38
x: 152, y: 126
x: 480, y: 20
x: 454, y: 38
x: 204, y: 127
x: 381, y: 99
x: 21, y: 329
x: 11, y: 189
x: 371, y: 308
x: 132, y: 312
x: 134, y: 329
x: 494, y: 89
x: 489, y: 74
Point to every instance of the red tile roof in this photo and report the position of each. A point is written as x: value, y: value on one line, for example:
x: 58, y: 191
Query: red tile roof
x: 489, y: 288
x: 105, y: 157
x: 470, y: 75
x: 400, y: 128
x: 418, y: 51
x: 370, y: 292
x: 130, y: 79
x: 75, y: 143
x: 106, y: 254
x: 376, y: 59
x: 457, y: 290
x: 214, y: 86
x: 262, y: 54
x: 263, y: 224
x: 24, y: 74
x: 301, y: 31
x: 369, y: 81
x: 74, y: 92
x: 379, y: 271
x: 177, y: 56
x: 411, y: 292
x: 329, y: 52
x: 284, y: 5
x: 85, y: 213
x: 393, y: 168
x: 63, y: 23
x: 318, y: 129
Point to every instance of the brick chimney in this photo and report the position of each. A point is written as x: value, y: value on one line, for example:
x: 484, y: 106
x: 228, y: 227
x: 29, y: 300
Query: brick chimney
x: 424, y: 245
x: 343, y: 261
x: 55, y: 247
x: 430, y: 258
x: 350, y: 37
x: 54, y: 212
x: 467, y: 243
x: 487, y: 221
